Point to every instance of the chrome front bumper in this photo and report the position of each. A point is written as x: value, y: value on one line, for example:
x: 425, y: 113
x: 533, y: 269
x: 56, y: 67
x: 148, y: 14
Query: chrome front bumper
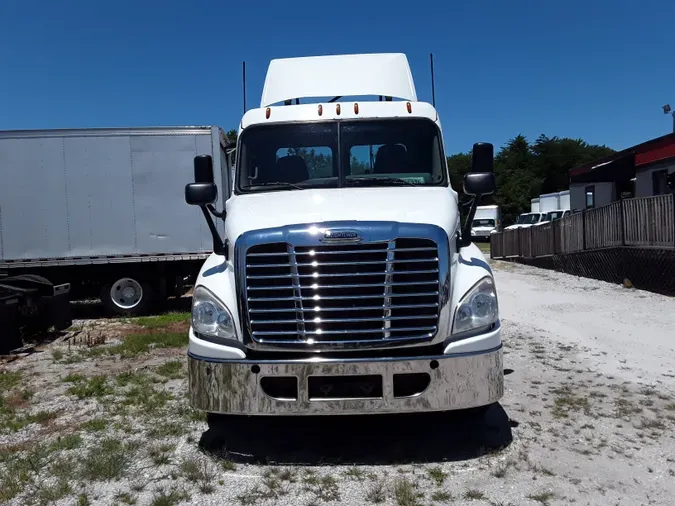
x: 457, y: 381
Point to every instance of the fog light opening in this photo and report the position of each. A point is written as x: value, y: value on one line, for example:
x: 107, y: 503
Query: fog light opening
x: 410, y: 384
x: 433, y: 364
x: 281, y: 388
x: 255, y: 369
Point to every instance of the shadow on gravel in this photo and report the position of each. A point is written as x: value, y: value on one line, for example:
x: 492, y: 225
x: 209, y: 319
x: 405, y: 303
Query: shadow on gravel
x: 371, y: 440
x: 93, y: 309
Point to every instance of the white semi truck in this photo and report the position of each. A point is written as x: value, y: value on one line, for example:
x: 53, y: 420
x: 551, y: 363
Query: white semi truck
x: 345, y: 282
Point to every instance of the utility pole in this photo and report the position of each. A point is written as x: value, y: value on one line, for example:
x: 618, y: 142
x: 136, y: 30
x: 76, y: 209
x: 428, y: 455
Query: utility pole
x: 666, y: 110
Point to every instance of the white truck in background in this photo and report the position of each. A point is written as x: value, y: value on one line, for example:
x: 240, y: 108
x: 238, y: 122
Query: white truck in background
x: 487, y: 221
x: 554, y: 206
x: 534, y: 205
x: 108, y: 220
x: 345, y: 282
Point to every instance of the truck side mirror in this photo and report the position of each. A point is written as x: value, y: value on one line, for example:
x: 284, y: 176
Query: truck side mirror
x: 203, y: 191
x: 482, y: 157
x: 480, y: 181
x: 201, y: 194
x: 203, y: 169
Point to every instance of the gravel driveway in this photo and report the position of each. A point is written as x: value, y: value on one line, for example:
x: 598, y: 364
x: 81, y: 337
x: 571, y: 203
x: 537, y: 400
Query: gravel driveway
x: 587, y: 418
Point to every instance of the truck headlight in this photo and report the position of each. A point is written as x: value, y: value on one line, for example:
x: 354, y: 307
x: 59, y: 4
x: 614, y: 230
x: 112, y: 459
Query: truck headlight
x: 478, y: 308
x: 210, y: 317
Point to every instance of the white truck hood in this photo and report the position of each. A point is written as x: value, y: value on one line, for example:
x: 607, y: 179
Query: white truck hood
x: 429, y: 205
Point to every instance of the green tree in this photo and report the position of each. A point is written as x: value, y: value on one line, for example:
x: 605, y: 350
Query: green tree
x: 524, y: 171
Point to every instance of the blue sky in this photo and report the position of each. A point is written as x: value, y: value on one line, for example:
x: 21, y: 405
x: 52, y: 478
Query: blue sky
x: 595, y: 69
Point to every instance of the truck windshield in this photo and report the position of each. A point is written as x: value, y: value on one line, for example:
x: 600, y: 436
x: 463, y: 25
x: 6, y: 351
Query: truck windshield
x: 483, y: 223
x: 553, y: 215
x: 528, y: 219
x: 291, y: 157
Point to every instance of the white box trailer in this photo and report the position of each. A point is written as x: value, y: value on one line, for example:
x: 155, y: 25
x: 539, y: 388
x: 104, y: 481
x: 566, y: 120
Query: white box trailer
x: 534, y: 205
x: 549, y: 202
x: 564, y: 200
x: 103, y: 210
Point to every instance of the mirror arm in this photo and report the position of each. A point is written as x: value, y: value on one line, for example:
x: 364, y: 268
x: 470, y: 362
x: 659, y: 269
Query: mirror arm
x: 219, y: 248
x: 464, y: 239
x: 216, y: 213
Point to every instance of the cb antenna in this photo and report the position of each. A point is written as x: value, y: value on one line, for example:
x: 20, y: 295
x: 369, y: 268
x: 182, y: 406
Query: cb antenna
x: 243, y: 77
x: 433, y: 85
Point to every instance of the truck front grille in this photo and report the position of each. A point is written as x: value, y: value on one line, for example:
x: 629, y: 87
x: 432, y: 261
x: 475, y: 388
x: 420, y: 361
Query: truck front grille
x: 341, y: 294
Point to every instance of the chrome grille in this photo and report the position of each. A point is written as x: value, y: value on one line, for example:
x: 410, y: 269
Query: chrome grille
x: 343, y: 293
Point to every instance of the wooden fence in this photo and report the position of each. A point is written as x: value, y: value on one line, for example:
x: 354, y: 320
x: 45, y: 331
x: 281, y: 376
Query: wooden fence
x: 645, y: 222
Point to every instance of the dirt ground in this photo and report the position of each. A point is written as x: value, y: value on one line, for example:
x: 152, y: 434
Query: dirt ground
x: 101, y: 417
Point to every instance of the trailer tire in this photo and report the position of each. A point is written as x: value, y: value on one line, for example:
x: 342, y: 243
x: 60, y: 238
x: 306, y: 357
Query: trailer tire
x: 127, y: 296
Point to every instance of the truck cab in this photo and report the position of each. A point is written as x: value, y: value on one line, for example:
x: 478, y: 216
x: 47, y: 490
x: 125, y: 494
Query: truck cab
x: 342, y: 280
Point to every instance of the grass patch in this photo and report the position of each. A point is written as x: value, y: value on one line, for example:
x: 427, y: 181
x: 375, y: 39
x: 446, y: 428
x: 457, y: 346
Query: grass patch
x: 272, y: 488
x: 354, y: 473
x: 228, y: 466
x: 568, y: 401
x: 650, y: 423
x: 173, y: 496
x: 473, y: 495
x: 406, y: 494
x: 9, y: 380
x: 158, y: 322
x: 542, y: 497
x: 146, y: 397
x: 108, y: 460
x: 96, y: 386
x: 46, y: 494
x: 20, y: 469
x: 376, y: 493
x: 324, y: 488
x: 625, y: 408
x: 437, y: 475
x: 171, y: 370
x: 161, y: 454
x: 135, y: 344
x: 670, y: 406
x: 74, y: 378
x: 167, y: 429
x: 125, y: 498
x: 95, y: 425
x: 501, y: 469
x: 57, y: 355
x: 441, y: 496
x: 67, y: 442
x: 199, y: 472
x: 127, y: 378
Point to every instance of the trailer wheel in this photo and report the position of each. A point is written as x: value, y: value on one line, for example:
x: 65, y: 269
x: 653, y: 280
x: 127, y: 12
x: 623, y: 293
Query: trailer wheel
x: 127, y: 297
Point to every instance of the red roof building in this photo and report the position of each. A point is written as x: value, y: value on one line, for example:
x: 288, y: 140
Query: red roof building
x: 639, y: 171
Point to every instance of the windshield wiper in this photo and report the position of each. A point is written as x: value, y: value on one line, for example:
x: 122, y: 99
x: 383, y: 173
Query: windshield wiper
x: 382, y: 179
x: 275, y: 183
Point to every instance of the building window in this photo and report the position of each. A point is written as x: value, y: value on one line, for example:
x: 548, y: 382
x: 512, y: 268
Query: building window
x: 590, y: 197
x: 659, y: 182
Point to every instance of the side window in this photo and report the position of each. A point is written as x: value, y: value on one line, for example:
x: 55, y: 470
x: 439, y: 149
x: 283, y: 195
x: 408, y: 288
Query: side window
x: 659, y: 182
x: 590, y: 197
x: 318, y: 160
